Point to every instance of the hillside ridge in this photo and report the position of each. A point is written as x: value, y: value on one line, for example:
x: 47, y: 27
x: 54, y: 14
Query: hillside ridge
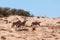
x: 29, y: 28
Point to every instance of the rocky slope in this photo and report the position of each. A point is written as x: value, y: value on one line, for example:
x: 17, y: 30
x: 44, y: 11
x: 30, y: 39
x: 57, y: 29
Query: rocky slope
x: 49, y: 28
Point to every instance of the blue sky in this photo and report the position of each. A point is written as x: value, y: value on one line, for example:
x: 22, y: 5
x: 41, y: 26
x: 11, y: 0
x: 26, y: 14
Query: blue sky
x: 49, y: 8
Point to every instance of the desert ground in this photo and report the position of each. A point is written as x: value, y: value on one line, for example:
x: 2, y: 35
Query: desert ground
x: 47, y: 29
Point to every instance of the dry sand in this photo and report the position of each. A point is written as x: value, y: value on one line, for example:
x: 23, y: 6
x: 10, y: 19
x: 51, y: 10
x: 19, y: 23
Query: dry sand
x: 49, y: 29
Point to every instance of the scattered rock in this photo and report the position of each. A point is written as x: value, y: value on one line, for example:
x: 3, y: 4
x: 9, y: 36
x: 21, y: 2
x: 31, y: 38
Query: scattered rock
x: 3, y: 37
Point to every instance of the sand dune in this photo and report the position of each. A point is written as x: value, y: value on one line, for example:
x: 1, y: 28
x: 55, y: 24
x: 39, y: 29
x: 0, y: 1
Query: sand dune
x: 49, y: 28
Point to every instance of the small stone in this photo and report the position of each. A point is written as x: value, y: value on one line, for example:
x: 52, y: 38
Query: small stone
x: 2, y: 37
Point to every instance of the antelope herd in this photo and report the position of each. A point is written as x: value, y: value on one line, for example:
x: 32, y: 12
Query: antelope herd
x: 19, y: 24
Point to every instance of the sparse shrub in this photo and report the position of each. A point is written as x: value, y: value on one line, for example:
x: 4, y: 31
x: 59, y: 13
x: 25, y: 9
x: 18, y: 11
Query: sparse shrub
x: 38, y: 17
x: 5, y: 12
x: 23, y: 13
x: 13, y: 11
x: 0, y: 10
